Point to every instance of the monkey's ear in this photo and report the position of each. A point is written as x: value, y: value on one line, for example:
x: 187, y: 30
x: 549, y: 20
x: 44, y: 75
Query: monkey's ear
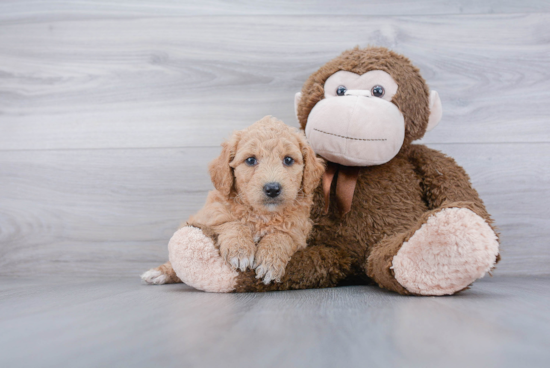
x: 436, y: 110
x: 297, y: 98
x: 220, y: 170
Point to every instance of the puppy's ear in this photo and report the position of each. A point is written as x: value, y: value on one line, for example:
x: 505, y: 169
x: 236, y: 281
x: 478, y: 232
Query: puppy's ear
x: 220, y: 170
x: 313, y: 168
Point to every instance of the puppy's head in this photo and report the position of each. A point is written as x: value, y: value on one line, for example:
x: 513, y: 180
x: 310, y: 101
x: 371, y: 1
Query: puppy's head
x: 268, y: 166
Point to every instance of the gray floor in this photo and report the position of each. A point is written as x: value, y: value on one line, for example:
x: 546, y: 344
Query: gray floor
x: 500, y: 322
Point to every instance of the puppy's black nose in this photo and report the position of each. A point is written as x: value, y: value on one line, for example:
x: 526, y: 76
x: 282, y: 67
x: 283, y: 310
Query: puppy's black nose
x: 272, y: 189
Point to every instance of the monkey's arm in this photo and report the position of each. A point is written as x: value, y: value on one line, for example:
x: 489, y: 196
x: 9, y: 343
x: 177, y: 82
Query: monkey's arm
x: 293, y: 266
x: 196, y: 258
x: 445, y: 183
x: 309, y: 268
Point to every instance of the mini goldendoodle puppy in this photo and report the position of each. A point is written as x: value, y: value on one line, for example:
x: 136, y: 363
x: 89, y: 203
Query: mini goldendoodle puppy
x: 259, y: 212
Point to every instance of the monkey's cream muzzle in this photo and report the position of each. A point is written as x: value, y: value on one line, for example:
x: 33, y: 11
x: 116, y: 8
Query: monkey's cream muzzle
x: 356, y: 129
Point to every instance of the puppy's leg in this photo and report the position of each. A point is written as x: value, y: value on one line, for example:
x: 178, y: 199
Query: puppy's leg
x: 274, y: 252
x: 163, y: 274
x: 236, y: 245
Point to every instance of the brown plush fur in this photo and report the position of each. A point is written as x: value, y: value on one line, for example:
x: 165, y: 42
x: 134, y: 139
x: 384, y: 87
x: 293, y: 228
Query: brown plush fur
x: 391, y: 201
x: 250, y: 228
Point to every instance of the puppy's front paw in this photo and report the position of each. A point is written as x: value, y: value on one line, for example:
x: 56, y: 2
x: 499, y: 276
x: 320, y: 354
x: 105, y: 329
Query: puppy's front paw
x: 238, y: 254
x: 270, y: 265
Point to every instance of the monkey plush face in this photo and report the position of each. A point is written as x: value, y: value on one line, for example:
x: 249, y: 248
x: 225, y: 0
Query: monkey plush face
x: 356, y: 124
x: 361, y: 108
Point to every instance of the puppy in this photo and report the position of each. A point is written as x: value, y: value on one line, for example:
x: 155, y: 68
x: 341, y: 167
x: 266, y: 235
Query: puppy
x: 259, y: 211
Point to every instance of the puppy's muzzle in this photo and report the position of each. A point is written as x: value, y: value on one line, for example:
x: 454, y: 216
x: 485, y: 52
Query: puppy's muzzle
x: 272, y: 190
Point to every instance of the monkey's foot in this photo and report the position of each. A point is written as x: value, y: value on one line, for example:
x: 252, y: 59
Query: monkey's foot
x: 198, y: 263
x: 451, y: 250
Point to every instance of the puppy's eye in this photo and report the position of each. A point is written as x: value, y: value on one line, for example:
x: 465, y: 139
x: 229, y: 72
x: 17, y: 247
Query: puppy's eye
x: 341, y: 90
x: 378, y: 91
x: 251, y: 161
x: 288, y: 161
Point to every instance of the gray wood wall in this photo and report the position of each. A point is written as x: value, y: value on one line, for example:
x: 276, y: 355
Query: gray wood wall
x: 110, y: 112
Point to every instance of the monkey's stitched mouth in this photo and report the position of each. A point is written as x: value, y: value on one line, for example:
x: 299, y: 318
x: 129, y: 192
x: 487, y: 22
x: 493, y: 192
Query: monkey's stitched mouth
x: 352, y: 138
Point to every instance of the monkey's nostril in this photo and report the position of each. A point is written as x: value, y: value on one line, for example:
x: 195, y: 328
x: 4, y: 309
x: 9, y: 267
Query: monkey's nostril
x: 272, y: 190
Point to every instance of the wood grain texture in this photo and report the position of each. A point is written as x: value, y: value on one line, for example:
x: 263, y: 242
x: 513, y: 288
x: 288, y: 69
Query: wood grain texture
x: 500, y: 322
x: 98, y: 211
x: 190, y: 81
x: 32, y: 10
x: 112, y: 212
x: 110, y: 111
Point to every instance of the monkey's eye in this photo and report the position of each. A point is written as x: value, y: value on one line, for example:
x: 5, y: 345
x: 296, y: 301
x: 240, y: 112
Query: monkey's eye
x: 288, y: 161
x: 251, y: 161
x: 341, y: 90
x: 377, y: 91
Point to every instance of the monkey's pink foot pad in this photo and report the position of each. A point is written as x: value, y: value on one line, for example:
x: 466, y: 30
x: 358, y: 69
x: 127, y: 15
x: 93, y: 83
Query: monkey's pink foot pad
x: 198, y: 263
x: 451, y: 250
